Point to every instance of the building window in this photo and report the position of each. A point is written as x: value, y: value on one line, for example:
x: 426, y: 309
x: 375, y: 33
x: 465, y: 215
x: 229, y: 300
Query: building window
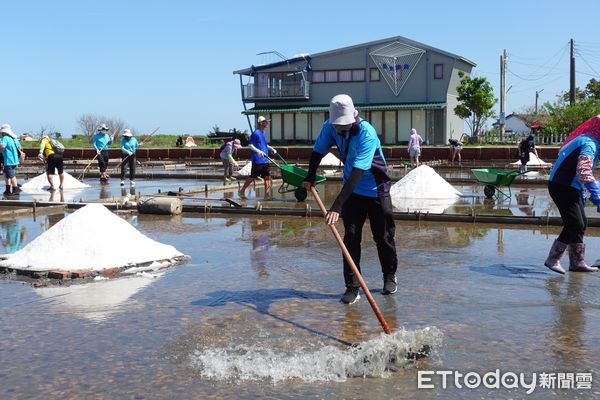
x: 331, y: 76
x: 438, y: 71
x: 318, y: 76
x: 374, y: 74
x: 345, y: 75
x: 358, y: 75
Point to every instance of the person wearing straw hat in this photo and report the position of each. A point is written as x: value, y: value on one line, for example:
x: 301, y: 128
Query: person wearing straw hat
x: 365, y: 193
x: 226, y: 155
x: 260, y: 161
x: 570, y: 178
x: 101, y: 142
x: 54, y: 162
x: 12, y: 153
x: 129, y: 145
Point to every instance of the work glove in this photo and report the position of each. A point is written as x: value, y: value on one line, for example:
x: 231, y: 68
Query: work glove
x: 274, y: 151
x: 261, y: 154
x: 98, y: 152
x: 594, y: 189
x: 235, y: 164
x: 41, y: 157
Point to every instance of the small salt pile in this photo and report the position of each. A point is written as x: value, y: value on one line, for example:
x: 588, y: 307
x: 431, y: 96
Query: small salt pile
x: 85, y: 240
x: 534, y: 161
x: 330, y: 160
x: 245, y: 170
x: 423, y: 183
x: 422, y: 189
x: 40, y: 183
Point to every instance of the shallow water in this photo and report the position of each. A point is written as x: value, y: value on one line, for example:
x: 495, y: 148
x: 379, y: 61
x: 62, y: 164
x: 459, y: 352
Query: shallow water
x: 255, y: 314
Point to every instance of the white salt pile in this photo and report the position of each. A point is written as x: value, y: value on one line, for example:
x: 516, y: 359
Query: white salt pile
x: 245, y: 170
x: 534, y: 161
x: 40, y: 183
x: 331, y: 160
x: 422, y: 189
x: 92, y: 238
x: 423, y: 183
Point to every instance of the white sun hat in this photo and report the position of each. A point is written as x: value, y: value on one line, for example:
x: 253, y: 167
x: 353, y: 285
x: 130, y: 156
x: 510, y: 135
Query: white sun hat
x: 341, y: 110
x: 6, y: 129
x: 127, y: 133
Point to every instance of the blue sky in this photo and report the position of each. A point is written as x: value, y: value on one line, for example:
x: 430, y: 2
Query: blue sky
x: 169, y: 64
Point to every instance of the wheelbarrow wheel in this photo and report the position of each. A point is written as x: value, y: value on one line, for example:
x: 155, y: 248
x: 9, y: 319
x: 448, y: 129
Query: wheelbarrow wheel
x: 489, y: 191
x: 300, y: 194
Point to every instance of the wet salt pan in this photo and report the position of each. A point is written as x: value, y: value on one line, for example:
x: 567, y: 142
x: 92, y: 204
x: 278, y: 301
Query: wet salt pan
x: 92, y: 238
x: 40, y: 182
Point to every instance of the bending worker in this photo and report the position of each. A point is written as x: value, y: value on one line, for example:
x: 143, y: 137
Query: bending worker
x: 53, y: 160
x: 365, y: 193
x: 571, y: 175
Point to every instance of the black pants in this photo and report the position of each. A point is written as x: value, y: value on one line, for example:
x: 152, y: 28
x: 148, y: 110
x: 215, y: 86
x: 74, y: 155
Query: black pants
x: 572, y: 211
x: 103, y: 161
x: 125, y: 161
x: 354, y: 214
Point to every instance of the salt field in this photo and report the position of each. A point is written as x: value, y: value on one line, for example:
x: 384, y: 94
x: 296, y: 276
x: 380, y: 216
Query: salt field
x: 255, y: 314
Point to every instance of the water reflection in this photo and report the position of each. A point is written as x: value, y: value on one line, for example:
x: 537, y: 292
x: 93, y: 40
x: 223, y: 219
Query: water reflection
x: 565, y: 336
x: 105, y: 191
x: 14, y: 236
x: 96, y: 301
x: 261, y: 243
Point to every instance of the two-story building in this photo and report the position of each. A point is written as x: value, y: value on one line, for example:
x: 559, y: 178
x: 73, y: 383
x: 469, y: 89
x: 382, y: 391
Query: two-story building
x: 396, y: 84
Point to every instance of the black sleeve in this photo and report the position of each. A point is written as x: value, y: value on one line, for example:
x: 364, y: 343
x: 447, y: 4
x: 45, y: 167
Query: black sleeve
x: 315, y: 159
x: 347, y: 190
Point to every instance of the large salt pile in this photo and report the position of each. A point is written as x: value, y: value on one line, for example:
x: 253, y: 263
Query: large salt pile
x: 40, y: 183
x: 92, y: 238
x: 330, y: 160
x: 422, y: 189
x: 534, y: 161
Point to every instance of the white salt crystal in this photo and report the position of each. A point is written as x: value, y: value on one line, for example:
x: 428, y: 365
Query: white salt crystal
x: 534, y: 161
x: 423, y: 183
x: 91, y: 238
x: 245, y: 170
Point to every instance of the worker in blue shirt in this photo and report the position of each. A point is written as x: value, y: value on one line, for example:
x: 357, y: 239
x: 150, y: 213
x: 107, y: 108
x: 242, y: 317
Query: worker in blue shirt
x: 571, y: 175
x: 12, y: 153
x: 260, y: 162
x: 101, y: 142
x: 129, y: 145
x: 365, y: 193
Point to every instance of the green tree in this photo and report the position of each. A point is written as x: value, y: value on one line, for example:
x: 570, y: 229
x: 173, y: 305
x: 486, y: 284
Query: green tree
x: 477, y: 101
x: 564, y: 118
x: 593, y: 89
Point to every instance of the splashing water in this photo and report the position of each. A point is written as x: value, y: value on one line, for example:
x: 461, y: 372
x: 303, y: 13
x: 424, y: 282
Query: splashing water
x: 375, y: 358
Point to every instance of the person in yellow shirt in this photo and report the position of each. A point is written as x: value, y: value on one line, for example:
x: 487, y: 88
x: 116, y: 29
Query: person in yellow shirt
x: 53, y: 160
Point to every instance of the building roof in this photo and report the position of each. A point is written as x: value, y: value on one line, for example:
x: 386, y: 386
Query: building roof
x: 359, y: 107
x: 250, y: 71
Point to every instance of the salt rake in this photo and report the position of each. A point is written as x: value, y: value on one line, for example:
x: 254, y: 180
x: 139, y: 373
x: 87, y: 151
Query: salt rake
x: 353, y: 266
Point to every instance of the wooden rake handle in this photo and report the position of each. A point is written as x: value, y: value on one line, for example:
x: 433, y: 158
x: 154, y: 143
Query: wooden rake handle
x: 353, y: 266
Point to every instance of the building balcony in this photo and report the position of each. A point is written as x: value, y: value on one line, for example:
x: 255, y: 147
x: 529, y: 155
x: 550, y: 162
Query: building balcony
x: 297, y: 91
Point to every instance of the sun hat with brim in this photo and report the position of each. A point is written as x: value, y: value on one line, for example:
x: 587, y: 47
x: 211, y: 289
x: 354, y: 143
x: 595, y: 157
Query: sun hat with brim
x: 103, y: 127
x: 262, y: 119
x: 127, y: 133
x: 7, y: 130
x: 237, y: 144
x: 341, y: 110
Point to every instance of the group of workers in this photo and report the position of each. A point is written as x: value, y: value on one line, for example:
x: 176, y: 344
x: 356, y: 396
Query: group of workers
x: 366, y: 189
x: 13, y: 156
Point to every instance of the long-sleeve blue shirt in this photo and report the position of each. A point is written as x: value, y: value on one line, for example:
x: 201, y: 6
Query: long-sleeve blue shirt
x: 129, y: 145
x: 102, y: 140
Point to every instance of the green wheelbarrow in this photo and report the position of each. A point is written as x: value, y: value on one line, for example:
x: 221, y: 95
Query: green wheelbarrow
x: 292, y: 178
x: 493, y: 179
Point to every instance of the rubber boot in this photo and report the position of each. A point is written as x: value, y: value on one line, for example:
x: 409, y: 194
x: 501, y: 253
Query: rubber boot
x: 556, y: 252
x: 7, y: 192
x: 577, y: 259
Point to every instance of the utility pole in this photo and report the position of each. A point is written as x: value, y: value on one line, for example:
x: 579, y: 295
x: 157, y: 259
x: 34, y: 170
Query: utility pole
x: 502, y: 119
x: 572, y: 72
x: 537, y: 94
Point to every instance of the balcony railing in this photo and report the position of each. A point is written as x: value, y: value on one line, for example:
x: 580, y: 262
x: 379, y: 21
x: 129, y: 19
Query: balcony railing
x: 252, y: 91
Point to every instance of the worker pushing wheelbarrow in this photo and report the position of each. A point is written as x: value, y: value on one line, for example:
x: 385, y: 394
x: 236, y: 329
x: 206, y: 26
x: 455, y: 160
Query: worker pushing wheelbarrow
x: 292, y: 178
x: 494, y: 179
